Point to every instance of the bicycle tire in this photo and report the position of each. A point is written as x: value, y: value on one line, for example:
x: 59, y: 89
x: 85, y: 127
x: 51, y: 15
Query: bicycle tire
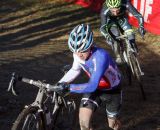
x: 124, y: 67
x: 64, y: 117
x: 28, y: 119
x: 126, y: 74
x: 126, y: 71
x: 136, y: 73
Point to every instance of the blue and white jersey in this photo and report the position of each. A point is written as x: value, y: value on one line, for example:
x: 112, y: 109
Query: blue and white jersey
x: 101, y: 69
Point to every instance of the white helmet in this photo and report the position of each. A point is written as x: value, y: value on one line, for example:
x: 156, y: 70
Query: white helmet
x: 81, y: 38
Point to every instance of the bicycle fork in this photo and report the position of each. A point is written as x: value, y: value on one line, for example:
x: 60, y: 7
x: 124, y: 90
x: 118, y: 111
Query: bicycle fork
x: 139, y: 68
x: 138, y: 65
x: 127, y: 56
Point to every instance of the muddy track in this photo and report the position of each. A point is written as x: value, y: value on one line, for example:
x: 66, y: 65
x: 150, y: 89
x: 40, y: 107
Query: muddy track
x: 33, y: 43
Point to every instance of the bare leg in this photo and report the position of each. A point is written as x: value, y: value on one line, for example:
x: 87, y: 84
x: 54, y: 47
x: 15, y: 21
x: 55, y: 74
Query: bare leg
x: 85, y: 115
x: 114, y: 123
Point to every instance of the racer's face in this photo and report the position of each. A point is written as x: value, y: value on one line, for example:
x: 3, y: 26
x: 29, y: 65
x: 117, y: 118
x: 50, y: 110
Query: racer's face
x: 83, y: 55
x: 115, y: 11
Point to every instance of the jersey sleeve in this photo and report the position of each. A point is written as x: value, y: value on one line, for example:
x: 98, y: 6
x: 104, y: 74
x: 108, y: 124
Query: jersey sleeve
x: 135, y: 13
x: 104, y: 19
x: 100, y: 65
x: 72, y: 73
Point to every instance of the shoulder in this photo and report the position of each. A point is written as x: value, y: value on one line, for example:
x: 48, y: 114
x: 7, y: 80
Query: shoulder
x: 104, y: 57
x: 127, y: 3
x: 100, y: 52
x: 101, y: 57
x: 104, y: 9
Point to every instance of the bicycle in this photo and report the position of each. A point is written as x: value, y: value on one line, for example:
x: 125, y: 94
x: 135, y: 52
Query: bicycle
x: 48, y: 110
x: 130, y: 58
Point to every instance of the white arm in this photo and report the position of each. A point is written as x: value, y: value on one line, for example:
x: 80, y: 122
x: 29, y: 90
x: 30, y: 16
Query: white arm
x: 70, y: 76
x: 72, y: 73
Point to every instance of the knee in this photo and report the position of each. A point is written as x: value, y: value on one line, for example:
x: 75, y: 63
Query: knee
x: 84, y: 125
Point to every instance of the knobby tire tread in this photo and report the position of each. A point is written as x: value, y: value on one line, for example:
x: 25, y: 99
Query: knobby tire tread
x: 23, y: 114
x: 137, y: 75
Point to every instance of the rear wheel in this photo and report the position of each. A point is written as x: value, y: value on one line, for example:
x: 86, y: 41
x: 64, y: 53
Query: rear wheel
x: 29, y: 119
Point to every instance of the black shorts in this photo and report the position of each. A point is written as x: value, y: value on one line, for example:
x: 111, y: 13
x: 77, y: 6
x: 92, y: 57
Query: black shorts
x: 112, y: 99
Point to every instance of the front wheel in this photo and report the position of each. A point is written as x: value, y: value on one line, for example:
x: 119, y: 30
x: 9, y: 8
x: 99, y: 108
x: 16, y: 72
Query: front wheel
x: 64, y: 118
x: 29, y: 119
x: 135, y: 67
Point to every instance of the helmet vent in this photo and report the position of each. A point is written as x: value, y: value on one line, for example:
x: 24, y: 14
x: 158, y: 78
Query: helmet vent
x: 81, y: 38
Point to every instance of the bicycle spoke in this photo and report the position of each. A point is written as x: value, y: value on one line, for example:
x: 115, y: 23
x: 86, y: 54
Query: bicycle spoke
x: 29, y: 119
x: 30, y: 123
x: 25, y: 123
x: 137, y: 73
x: 34, y: 116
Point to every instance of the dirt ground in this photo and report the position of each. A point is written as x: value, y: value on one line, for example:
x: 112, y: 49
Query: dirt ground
x: 33, y: 43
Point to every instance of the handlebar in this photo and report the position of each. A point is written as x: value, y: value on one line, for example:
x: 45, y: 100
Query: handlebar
x: 105, y: 26
x: 40, y: 84
x: 124, y: 36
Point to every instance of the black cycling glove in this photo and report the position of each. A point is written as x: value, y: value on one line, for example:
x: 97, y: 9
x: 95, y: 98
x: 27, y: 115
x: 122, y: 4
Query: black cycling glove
x: 62, y: 88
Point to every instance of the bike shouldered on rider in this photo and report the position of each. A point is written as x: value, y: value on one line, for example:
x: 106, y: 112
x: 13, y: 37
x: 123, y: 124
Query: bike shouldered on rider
x: 104, y: 78
x: 114, y: 20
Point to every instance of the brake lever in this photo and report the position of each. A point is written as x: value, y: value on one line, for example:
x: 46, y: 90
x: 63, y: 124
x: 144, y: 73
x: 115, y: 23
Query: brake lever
x: 12, y: 84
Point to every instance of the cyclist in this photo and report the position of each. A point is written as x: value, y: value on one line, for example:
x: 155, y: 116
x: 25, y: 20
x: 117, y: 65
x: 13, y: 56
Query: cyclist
x: 114, y: 20
x: 104, y: 78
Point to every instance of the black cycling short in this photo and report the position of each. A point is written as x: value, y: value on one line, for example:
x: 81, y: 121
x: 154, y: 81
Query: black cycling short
x: 112, y: 99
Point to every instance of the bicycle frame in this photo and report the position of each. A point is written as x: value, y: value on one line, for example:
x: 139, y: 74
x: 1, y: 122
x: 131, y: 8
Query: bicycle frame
x: 130, y: 57
x: 127, y: 54
x: 43, y: 102
x: 43, y: 109
x: 49, y: 115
